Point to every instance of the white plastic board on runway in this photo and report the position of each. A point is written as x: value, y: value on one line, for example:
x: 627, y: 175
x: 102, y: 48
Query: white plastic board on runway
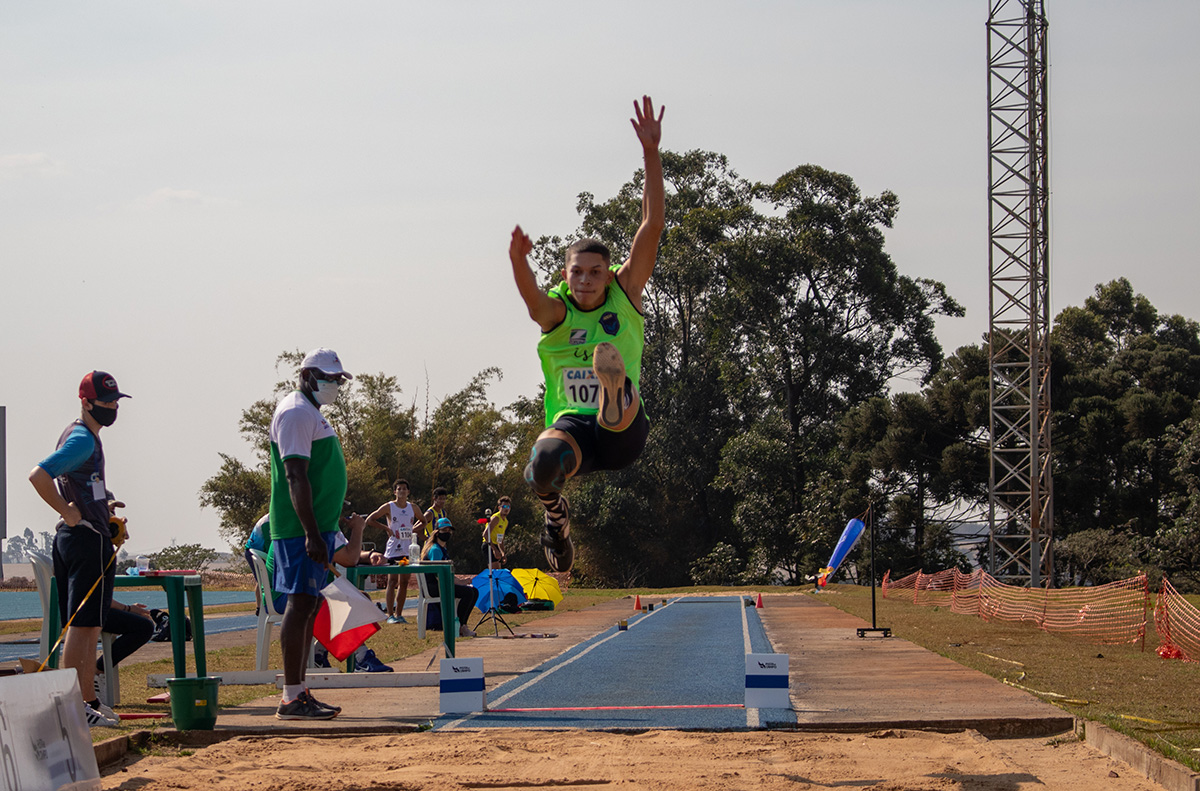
x: 461, y: 685
x: 767, y: 681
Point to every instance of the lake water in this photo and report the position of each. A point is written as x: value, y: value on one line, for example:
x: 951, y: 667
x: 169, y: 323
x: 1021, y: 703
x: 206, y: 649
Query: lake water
x: 15, y: 605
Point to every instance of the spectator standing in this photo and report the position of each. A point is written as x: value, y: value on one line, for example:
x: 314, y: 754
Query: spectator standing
x: 308, y: 489
x: 399, y: 518
x: 494, y: 530
x: 436, y: 511
x: 72, y: 482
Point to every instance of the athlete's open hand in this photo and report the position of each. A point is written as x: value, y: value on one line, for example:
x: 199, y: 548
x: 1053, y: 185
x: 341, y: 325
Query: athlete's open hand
x: 648, y: 128
x: 520, y: 247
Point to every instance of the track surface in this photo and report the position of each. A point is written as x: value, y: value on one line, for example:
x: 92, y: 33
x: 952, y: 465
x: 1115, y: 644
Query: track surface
x: 680, y: 666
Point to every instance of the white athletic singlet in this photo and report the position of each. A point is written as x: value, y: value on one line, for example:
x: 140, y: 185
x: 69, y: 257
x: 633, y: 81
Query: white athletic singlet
x: 400, y: 531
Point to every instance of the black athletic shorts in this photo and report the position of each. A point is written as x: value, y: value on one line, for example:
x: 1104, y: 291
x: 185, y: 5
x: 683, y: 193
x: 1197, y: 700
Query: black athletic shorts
x: 81, y: 561
x: 603, y: 449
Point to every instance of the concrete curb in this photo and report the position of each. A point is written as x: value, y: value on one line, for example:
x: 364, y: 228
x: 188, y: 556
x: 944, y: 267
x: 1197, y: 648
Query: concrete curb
x: 1169, y: 774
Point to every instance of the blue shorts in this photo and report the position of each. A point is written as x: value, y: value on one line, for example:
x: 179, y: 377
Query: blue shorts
x: 294, y: 571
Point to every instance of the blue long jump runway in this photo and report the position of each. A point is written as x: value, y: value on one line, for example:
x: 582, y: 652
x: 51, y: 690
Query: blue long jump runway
x: 681, y: 666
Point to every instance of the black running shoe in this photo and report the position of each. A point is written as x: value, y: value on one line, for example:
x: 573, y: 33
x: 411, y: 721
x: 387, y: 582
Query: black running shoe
x: 303, y: 708
x: 556, y: 540
x: 335, y: 709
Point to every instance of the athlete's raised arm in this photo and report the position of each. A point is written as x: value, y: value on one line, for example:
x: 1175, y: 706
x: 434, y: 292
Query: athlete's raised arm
x: 543, y: 308
x: 635, y: 272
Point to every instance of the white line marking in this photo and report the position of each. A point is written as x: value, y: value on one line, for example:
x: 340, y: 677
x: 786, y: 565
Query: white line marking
x: 542, y: 676
x: 752, y: 720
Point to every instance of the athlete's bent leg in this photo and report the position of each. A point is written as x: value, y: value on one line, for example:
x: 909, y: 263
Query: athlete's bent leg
x: 555, y: 458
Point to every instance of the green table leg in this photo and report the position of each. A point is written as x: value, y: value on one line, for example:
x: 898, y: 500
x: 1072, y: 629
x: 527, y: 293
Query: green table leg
x: 176, y: 613
x: 195, y: 599
x: 55, y: 625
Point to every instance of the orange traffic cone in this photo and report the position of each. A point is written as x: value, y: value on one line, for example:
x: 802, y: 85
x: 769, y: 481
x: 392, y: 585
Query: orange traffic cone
x: 637, y: 602
x: 758, y: 604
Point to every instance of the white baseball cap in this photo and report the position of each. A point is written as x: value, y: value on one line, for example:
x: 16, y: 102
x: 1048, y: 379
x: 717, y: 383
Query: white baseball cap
x: 326, y: 361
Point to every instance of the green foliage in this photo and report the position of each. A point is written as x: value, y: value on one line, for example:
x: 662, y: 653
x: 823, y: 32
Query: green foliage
x: 466, y: 444
x: 183, y: 556
x: 1125, y: 383
x: 17, y: 548
x: 772, y: 310
x: 1122, y: 377
x: 240, y: 495
x: 722, y: 566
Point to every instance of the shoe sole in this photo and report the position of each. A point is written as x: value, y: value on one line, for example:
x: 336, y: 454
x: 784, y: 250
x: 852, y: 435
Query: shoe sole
x: 323, y: 716
x: 609, y: 367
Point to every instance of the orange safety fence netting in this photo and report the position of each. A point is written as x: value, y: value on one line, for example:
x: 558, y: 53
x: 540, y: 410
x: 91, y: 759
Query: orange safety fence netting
x: 1178, y: 625
x: 1106, y: 614
x: 902, y: 584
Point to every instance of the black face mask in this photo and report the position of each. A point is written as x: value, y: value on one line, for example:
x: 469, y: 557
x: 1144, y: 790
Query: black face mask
x: 104, y: 415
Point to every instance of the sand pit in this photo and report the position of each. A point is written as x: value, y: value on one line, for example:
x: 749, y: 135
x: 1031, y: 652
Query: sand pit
x: 889, y: 760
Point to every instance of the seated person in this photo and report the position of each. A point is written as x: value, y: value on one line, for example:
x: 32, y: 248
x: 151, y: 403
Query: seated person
x: 134, y: 627
x: 130, y: 622
x: 348, y: 552
x: 466, y: 595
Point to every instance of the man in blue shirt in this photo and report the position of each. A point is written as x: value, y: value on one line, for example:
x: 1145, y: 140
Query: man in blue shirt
x: 71, y: 481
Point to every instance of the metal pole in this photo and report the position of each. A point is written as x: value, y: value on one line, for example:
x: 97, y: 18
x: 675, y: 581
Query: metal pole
x: 886, y: 631
x: 3, y: 484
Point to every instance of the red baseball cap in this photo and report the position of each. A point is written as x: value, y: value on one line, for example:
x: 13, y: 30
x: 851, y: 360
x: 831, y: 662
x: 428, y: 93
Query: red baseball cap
x: 100, y: 386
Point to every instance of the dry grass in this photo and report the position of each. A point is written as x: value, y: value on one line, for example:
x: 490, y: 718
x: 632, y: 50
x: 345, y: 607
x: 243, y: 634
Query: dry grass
x: 1112, y: 684
x: 388, y: 644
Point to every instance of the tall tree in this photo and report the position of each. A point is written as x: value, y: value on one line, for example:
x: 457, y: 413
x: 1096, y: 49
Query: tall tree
x: 773, y: 309
x: 1123, y: 375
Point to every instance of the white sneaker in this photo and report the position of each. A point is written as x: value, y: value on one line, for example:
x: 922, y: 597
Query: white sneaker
x: 98, y: 719
x: 100, y: 687
x: 465, y: 631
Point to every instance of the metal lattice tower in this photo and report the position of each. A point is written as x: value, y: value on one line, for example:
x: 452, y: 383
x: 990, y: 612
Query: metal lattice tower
x: 1020, y: 485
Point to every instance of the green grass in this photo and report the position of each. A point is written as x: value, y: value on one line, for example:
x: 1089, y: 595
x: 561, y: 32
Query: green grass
x: 1107, y: 683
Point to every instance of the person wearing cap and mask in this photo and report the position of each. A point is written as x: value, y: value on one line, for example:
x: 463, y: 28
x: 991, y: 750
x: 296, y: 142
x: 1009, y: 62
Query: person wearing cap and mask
x: 71, y: 481
x: 308, y: 489
x: 437, y: 548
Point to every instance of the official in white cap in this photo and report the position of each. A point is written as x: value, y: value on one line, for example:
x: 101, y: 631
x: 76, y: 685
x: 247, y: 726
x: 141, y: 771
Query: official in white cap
x: 308, y: 489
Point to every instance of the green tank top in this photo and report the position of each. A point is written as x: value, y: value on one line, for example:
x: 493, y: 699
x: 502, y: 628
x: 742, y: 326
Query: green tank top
x: 566, y: 350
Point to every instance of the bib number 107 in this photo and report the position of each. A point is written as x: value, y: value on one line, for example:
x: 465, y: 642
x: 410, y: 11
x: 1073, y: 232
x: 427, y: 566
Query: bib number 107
x: 581, y: 387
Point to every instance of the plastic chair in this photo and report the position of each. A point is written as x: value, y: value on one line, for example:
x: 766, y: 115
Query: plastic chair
x: 43, y: 574
x: 424, y: 599
x: 267, y: 616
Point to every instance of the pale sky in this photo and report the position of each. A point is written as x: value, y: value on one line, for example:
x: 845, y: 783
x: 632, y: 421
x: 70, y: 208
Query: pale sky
x: 189, y: 188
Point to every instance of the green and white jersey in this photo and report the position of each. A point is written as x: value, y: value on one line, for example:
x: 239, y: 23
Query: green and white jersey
x: 566, y: 350
x: 299, y: 430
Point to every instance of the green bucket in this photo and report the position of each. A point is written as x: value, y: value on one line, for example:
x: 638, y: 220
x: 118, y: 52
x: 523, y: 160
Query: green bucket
x: 194, y: 702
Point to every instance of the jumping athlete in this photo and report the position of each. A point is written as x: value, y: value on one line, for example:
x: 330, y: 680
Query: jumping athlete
x: 591, y: 351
